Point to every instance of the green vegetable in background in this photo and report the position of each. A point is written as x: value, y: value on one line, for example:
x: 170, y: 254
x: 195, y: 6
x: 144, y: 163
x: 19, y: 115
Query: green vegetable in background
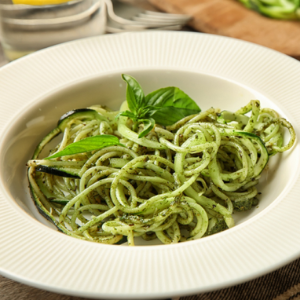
x: 278, y: 9
x: 165, y: 106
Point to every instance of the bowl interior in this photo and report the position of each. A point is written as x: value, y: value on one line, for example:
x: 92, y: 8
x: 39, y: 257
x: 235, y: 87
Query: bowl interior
x: 31, y: 124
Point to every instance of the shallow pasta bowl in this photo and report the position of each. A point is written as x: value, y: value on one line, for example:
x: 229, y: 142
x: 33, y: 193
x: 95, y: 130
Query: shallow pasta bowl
x: 215, y: 71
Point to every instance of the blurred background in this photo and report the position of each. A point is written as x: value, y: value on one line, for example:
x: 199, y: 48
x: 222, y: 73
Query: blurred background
x: 30, y: 25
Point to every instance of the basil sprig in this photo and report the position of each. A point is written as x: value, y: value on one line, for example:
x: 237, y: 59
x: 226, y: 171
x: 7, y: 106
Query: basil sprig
x: 165, y: 106
x: 88, y: 144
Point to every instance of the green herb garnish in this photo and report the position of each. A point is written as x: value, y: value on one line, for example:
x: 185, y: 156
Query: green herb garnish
x: 88, y: 144
x: 165, y: 106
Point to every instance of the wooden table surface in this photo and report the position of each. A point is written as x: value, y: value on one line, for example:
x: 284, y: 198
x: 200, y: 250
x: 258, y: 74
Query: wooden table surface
x: 231, y: 18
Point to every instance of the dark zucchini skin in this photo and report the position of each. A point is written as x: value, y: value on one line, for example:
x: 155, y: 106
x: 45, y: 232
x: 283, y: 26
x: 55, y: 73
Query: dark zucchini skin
x: 76, y: 113
x: 85, y: 113
x: 55, y: 171
x: 62, y: 202
x: 43, y: 210
x: 45, y: 213
x: 51, y: 135
x: 61, y: 125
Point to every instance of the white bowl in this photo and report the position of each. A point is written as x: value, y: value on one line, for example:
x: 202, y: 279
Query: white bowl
x: 215, y: 71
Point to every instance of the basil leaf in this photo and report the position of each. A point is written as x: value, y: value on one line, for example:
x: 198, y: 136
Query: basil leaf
x: 171, y: 105
x: 128, y: 114
x: 166, y: 116
x: 88, y: 144
x: 147, y: 111
x: 134, y: 94
x: 148, y: 126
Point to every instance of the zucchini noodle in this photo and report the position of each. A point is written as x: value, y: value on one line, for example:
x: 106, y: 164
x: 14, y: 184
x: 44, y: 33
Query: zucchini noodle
x: 178, y: 183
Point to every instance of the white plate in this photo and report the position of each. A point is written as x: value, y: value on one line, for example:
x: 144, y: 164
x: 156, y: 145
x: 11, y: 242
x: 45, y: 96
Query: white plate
x: 218, y: 71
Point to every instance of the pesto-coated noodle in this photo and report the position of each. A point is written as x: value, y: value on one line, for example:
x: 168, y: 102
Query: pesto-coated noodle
x: 177, y: 183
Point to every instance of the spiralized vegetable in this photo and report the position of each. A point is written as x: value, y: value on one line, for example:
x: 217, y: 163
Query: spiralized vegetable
x: 180, y: 182
x: 277, y: 9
